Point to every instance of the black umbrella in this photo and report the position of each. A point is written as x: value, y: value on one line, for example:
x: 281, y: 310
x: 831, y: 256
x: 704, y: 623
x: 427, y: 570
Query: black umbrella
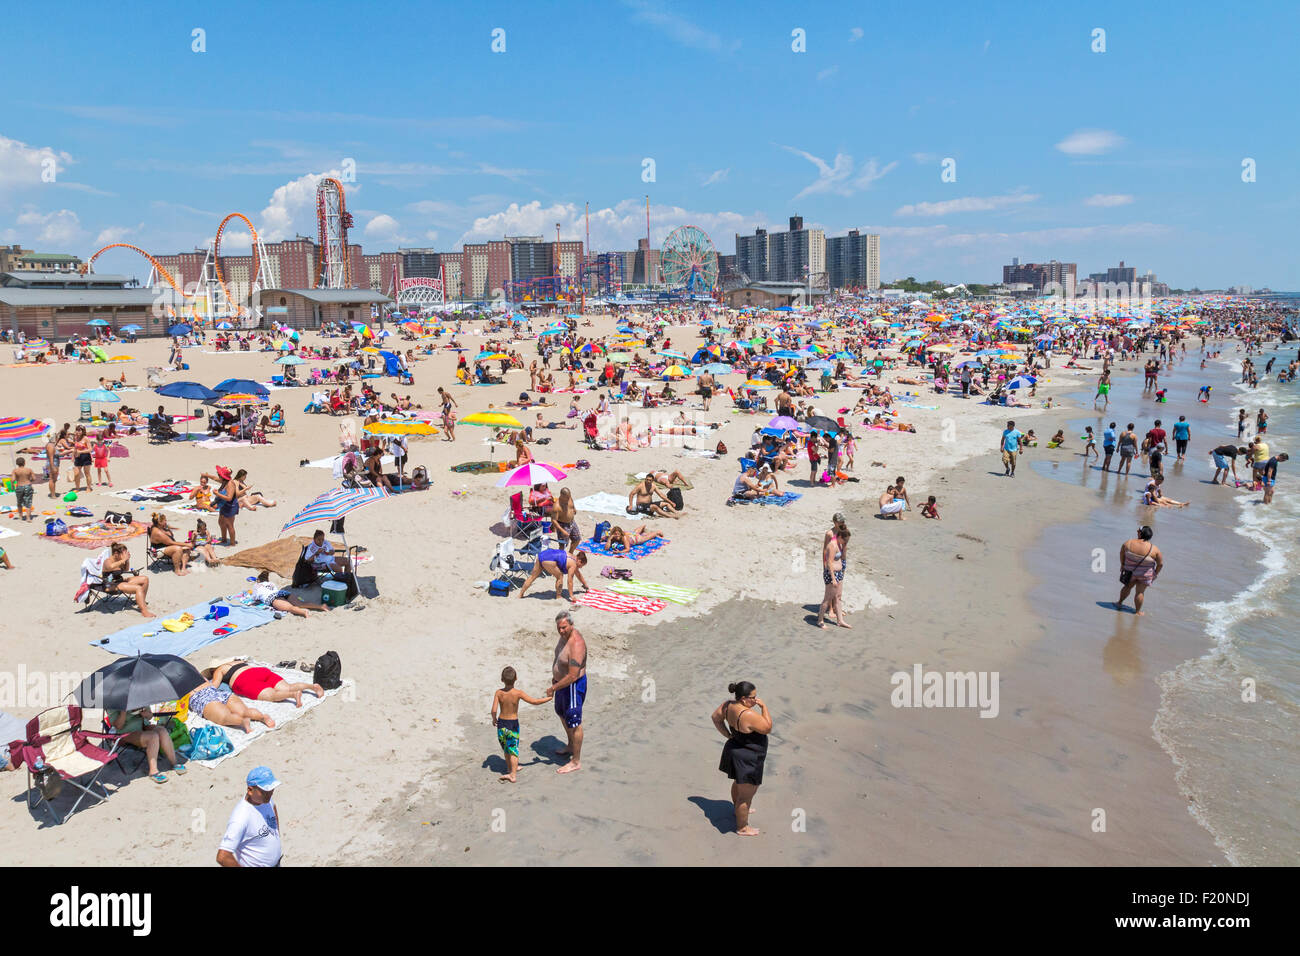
x: 821, y: 423
x: 133, y: 683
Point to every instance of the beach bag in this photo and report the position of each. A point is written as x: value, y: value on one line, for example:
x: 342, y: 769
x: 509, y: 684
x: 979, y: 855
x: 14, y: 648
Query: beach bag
x: 500, y: 587
x: 602, y: 529
x: 209, y: 743
x: 55, y: 527
x: 328, y: 671
x: 303, y: 573
x: 180, y: 734
x: 117, y: 517
x: 675, y: 496
x: 721, y: 449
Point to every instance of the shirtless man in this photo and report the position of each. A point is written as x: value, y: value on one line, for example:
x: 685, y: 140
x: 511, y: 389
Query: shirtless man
x: 892, y: 506
x: 707, y: 385
x: 23, y: 476
x: 52, y: 453
x: 641, y: 499
x: 569, y: 687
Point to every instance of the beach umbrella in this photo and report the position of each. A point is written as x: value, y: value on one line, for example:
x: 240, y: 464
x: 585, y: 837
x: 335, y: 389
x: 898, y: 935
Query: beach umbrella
x: 400, y: 426
x: 675, y: 371
x: 786, y: 354
x: 335, y: 504
x: 239, y: 400
x: 533, y: 473
x: 133, y: 683
x: 757, y: 383
x: 130, y: 328
x: 717, y: 368
x: 671, y: 354
x: 15, y: 431
x: 190, y: 391
x: 98, y: 322
x: 492, y: 420
x: 821, y: 365
x: 1022, y: 381
x: 99, y: 395
x: 224, y: 326
x: 294, y: 360
x: 241, y: 385
x: 822, y: 423
x: 785, y: 423
x: 180, y: 329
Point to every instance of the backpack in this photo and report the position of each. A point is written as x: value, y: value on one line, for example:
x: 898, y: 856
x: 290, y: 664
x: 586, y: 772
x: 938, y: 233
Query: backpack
x: 328, y: 671
x: 209, y: 743
x: 675, y: 496
x: 602, y: 529
x: 55, y: 527
x: 722, y: 449
x: 118, y: 517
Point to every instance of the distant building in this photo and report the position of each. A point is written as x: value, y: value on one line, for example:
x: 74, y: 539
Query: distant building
x: 420, y: 263
x: 1062, y: 276
x: 18, y: 259
x: 771, y: 295
x: 853, y: 261
x: 1122, y: 273
x: 789, y: 256
x: 55, y: 305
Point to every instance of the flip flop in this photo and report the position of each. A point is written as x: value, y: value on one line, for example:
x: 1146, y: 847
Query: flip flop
x: 159, y: 777
x: 181, y: 769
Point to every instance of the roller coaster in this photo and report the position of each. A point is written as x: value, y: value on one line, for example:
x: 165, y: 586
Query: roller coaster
x: 211, y: 291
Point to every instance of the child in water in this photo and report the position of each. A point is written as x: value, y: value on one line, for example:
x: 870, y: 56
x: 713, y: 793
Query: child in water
x: 505, y: 717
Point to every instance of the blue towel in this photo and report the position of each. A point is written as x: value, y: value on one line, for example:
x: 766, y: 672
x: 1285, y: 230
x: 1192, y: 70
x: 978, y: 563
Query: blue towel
x: 780, y: 501
x: 637, y: 552
x: 131, y: 640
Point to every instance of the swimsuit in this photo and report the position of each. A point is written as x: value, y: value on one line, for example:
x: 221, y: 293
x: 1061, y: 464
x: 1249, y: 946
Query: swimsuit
x: 556, y: 555
x: 251, y: 681
x: 205, y: 695
x: 568, y: 702
x: 508, y: 736
x: 743, y: 756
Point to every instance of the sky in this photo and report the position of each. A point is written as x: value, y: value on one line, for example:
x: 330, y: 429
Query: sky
x: 1165, y: 140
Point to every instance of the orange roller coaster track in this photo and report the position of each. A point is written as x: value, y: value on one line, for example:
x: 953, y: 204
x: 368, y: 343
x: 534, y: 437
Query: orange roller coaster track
x: 216, y: 255
x: 158, y: 267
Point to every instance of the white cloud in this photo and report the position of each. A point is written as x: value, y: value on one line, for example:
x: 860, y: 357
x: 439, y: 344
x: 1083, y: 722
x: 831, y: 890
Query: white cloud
x: 384, y: 228
x: 116, y: 233
x: 856, y: 34
x: 292, y: 208
x: 1108, y: 199
x: 22, y: 165
x: 717, y: 176
x: 432, y: 235
x: 827, y: 73
x: 1090, y: 142
x: 615, y: 227
x: 839, y: 177
x: 925, y: 157
x: 967, y: 204
x: 1055, y: 236
x: 678, y: 28
x: 50, y: 229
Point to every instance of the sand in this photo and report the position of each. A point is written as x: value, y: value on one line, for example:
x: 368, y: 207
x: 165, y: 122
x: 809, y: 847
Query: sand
x: 406, y: 769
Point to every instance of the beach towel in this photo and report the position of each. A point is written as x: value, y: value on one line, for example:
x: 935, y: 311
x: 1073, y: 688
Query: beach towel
x: 334, y: 461
x: 636, y: 553
x: 282, y: 712
x: 779, y: 500
x: 9, y: 533
x: 99, y: 534
x: 604, y: 503
x: 928, y: 408
x: 221, y: 442
x: 132, y: 640
x: 678, y: 483
x: 189, y: 510
x: 664, y: 592
x: 159, y: 489
x: 477, y: 467
x: 697, y: 453
x: 619, y: 603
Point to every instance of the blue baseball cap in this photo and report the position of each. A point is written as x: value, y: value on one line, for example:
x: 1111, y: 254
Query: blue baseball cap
x: 262, y: 778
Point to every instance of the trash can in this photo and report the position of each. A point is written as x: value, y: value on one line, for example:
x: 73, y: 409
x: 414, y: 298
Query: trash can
x: 333, y: 593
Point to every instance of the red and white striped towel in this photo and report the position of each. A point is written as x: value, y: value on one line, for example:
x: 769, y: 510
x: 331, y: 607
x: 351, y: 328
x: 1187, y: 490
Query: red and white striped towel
x: 620, y: 603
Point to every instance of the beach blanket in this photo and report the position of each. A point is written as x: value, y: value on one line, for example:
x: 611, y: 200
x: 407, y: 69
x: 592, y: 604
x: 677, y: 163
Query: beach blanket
x: 604, y: 503
x: 189, y: 510
x: 9, y: 533
x: 619, y: 603
x: 664, y: 592
x: 281, y: 712
x: 222, y: 442
x: 479, y: 467
x: 636, y: 553
x: 779, y: 500
x: 697, y: 453
x: 159, y: 490
x: 95, y: 535
x: 928, y: 408
x: 132, y: 640
x: 336, y: 460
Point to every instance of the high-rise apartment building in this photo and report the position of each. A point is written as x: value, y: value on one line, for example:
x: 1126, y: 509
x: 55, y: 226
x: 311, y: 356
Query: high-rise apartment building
x: 853, y: 261
x: 1062, y: 276
x: 420, y: 263
x: 1122, y: 273
x: 791, y: 256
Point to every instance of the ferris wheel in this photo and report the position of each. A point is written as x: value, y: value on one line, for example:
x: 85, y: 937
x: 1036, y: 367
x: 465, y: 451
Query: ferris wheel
x: 689, y: 260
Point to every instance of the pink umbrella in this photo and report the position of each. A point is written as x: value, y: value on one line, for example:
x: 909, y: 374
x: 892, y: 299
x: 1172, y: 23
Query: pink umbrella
x: 533, y: 473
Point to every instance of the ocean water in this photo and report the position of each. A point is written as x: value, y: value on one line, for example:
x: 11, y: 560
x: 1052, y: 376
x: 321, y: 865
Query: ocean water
x: 1229, y: 713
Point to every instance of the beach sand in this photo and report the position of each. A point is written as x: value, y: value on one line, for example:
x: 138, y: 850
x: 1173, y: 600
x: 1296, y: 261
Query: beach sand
x: 405, y: 771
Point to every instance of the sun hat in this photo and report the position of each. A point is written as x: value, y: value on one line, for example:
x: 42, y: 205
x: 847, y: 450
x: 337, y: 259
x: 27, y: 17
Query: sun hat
x: 223, y: 473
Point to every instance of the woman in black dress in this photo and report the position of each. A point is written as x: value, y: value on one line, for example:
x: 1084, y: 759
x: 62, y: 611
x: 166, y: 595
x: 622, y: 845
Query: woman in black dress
x: 745, y: 722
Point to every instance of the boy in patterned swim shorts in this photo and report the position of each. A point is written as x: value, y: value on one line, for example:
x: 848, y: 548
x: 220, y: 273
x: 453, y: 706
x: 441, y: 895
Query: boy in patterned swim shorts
x: 505, y: 717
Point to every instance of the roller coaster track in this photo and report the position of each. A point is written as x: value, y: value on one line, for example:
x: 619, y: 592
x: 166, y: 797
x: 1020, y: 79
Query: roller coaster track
x: 158, y: 267
x: 216, y: 256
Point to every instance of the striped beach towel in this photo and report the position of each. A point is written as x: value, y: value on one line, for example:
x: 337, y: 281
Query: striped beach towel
x: 635, y: 553
x: 665, y: 592
x: 619, y: 603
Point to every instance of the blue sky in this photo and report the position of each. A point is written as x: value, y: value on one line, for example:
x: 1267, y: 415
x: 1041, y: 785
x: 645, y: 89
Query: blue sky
x: 1060, y: 152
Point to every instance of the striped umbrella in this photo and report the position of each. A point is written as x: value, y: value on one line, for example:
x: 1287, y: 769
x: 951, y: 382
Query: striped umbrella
x: 15, y: 431
x: 240, y: 398
x: 335, y: 504
x: 533, y: 473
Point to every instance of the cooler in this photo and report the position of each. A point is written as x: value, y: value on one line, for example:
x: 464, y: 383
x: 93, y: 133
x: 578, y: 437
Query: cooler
x: 333, y: 593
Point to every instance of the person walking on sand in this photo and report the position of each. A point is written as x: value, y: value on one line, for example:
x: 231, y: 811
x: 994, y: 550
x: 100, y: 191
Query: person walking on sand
x: 1140, y: 562
x: 745, y: 722
x: 449, y: 414
x: 1128, y: 448
x: 505, y: 718
x: 833, y: 576
x: 1108, y: 439
x: 569, y: 688
x: 252, y: 836
x: 1010, y: 446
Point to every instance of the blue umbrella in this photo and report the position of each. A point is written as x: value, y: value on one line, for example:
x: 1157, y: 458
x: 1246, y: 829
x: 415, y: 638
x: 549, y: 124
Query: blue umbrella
x: 131, y: 328
x: 821, y: 364
x: 787, y: 354
x: 98, y: 322
x: 190, y: 391
x: 1020, y: 381
x: 233, y: 385
x: 224, y: 326
x: 99, y: 395
x: 180, y: 329
x: 717, y: 368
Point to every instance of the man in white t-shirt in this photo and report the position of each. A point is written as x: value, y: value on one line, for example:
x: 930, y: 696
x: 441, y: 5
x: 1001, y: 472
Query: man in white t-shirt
x: 252, y: 836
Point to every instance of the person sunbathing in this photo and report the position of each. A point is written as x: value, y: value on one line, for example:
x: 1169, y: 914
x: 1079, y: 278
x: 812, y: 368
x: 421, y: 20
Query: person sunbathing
x: 252, y: 499
x: 668, y: 478
x: 641, y: 500
x: 620, y: 540
x: 420, y: 478
x: 162, y: 540
x: 374, y: 470
x: 257, y: 683
x: 217, y: 703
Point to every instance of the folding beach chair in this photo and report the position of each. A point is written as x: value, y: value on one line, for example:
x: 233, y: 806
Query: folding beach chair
x: 511, y: 565
x: 57, y: 751
x: 522, y: 524
x: 102, y: 592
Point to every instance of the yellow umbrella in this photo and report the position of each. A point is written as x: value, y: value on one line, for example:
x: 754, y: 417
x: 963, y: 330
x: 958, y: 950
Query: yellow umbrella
x: 676, y: 370
x: 401, y: 427
x: 757, y: 383
x: 495, y: 355
x: 122, y: 358
x: 370, y: 349
x: 493, y: 420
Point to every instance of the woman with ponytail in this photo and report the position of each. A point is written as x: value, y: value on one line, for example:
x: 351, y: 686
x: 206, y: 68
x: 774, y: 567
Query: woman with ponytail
x: 745, y: 722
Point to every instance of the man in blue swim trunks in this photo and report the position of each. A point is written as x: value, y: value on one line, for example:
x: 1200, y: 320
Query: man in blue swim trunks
x: 558, y: 563
x: 569, y: 685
